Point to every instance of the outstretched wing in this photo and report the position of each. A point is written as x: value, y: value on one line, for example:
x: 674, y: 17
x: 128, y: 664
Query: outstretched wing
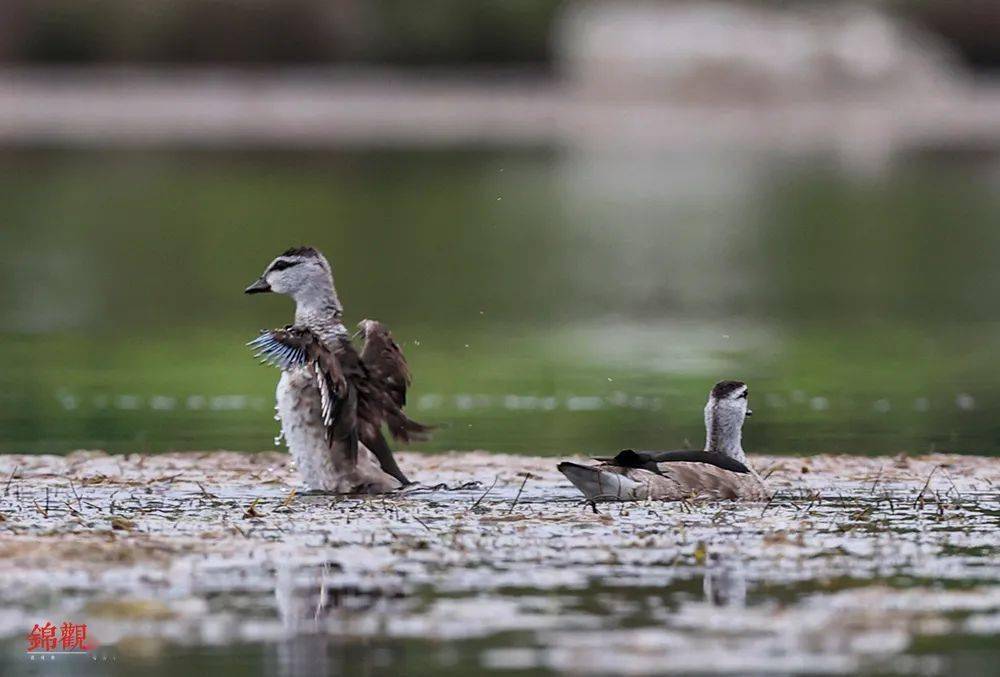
x: 388, y: 381
x: 385, y: 361
x: 374, y: 407
x: 298, y: 348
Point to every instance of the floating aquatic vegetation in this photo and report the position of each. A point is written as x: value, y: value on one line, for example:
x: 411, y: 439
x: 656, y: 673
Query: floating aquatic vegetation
x: 856, y: 564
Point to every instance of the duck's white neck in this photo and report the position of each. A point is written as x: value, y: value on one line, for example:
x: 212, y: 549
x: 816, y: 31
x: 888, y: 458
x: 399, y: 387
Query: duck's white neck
x: 319, y: 309
x: 724, y: 433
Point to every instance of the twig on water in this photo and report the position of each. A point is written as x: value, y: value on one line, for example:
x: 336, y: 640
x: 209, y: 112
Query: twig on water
x: 815, y: 497
x: 958, y: 494
x: 10, y: 479
x: 514, y: 504
x: 480, y: 499
x: 205, y: 492
x: 877, y: 478
x: 774, y: 468
x: 920, y: 496
x: 940, y: 504
x: 767, y: 505
x: 72, y: 487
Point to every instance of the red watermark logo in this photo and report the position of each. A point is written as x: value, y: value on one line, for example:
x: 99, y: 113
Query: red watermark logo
x: 71, y: 639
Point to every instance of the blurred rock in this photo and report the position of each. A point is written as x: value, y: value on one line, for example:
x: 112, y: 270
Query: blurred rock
x: 723, y: 51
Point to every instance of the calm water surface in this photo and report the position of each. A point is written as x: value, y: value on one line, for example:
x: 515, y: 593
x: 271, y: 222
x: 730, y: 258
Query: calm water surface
x: 549, y: 302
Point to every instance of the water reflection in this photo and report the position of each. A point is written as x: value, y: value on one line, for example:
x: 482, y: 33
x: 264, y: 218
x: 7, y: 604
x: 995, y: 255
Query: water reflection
x: 305, y: 654
x: 301, y: 604
x: 725, y: 582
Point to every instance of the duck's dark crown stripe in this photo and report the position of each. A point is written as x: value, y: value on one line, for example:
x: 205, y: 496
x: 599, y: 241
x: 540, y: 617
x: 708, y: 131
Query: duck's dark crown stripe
x: 724, y: 388
x: 282, y: 265
x: 300, y: 251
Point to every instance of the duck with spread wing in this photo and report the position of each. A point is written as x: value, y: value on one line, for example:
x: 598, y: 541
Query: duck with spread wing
x: 333, y: 401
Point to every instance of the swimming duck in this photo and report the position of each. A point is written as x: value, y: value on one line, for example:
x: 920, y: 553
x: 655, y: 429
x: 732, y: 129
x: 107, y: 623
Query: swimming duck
x: 721, y: 471
x: 331, y: 400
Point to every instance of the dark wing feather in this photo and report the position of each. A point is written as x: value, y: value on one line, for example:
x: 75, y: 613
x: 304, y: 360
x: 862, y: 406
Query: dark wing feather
x: 648, y: 460
x: 296, y: 348
x: 375, y: 441
x: 629, y: 458
x: 389, y: 377
x: 385, y: 361
x: 375, y: 407
x: 711, y: 458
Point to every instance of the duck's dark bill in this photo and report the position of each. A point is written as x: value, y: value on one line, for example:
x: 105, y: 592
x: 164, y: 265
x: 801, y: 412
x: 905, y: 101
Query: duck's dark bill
x: 258, y: 287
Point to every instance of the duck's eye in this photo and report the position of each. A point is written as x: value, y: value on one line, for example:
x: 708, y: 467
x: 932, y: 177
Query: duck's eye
x: 745, y: 395
x: 281, y: 265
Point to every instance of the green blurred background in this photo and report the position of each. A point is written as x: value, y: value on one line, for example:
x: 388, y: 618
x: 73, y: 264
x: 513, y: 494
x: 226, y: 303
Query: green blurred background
x: 539, y: 316
x: 552, y: 297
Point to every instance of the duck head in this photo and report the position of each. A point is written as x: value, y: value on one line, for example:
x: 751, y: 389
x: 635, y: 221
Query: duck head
x: 302, y: 273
